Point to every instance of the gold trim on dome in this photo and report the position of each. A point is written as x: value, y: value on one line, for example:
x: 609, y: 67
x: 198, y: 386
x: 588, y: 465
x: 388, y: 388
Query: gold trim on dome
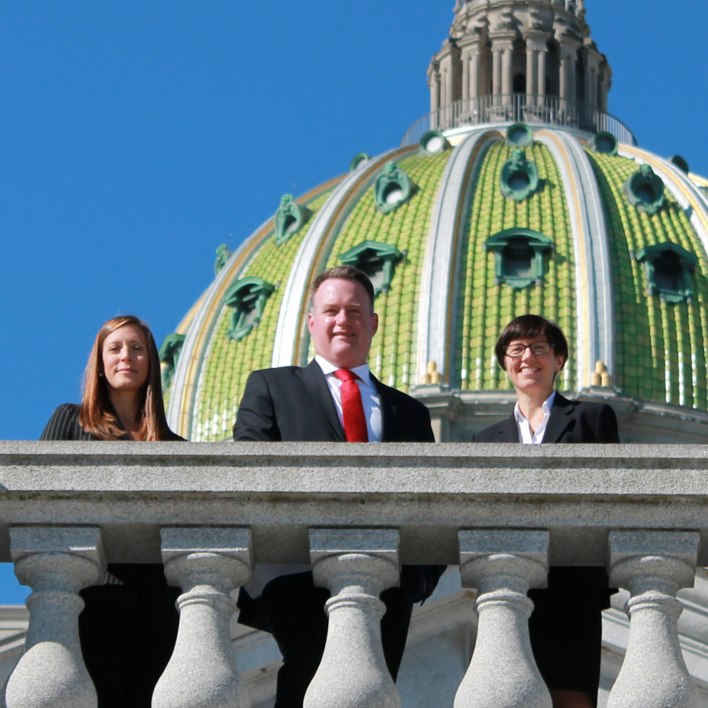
x: 194, y: 368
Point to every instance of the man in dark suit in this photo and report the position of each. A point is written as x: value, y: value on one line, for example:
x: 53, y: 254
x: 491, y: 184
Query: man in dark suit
x: 566, y: 624
x: 333, y: 399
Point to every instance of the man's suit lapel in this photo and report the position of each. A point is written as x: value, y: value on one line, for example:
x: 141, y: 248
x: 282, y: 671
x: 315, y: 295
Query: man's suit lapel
x: 507, y: 431
x: 561, y: 416
x: 388, y: 418
x: 317, y: 388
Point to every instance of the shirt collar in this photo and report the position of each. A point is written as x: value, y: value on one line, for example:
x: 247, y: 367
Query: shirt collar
x: 328, y: 368
x: 547, y: 406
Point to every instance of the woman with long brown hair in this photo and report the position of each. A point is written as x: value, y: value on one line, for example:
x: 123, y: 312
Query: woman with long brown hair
x: 129, y: 624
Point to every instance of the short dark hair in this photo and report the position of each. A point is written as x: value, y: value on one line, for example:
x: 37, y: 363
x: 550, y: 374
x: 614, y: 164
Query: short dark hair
x: 343, y: 273
x: 529, y: 327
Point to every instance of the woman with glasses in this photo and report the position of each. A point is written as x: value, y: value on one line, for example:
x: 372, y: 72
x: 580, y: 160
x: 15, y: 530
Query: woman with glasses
x: 566, y: 624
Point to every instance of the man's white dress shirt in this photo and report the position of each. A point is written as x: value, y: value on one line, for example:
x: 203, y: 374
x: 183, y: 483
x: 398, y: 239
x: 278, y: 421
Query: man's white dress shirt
x: 525, y: 435
x: 369, y: 396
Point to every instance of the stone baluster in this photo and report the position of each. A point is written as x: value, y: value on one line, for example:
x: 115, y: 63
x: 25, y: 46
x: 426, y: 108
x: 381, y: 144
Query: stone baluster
x: 207, y: 563
x: 503, y: 566
x: 653, y: 566
x: 356, y: 565
x: 56, y: 562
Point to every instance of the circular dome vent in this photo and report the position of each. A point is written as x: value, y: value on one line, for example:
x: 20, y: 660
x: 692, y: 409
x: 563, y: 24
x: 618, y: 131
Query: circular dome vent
x: 605, y: 143
x: 519, y: 135
x: 434, y: 143
x: 645, y: 190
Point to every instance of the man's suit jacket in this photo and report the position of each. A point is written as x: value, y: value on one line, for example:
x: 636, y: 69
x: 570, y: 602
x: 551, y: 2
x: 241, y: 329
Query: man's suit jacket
x: 570, y: 422
x: 294, y: 404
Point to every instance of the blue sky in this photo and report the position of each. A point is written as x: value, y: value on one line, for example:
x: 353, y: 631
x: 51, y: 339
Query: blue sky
x: 137, y: 136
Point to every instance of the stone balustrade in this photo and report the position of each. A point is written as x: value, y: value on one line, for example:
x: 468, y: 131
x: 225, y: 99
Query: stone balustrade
x: 355, y: 513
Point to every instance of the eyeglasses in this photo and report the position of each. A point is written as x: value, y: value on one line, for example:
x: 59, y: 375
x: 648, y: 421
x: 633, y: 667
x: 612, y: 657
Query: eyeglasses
x: 538, y: 349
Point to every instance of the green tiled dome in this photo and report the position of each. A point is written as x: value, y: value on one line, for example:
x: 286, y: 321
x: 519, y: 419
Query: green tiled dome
x: 451, y: 293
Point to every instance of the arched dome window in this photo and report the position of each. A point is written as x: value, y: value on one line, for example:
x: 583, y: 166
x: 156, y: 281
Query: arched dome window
x: 289, y: 219
x: 519, y: 257
x: 669, y: 270
x: 392, y: 188
x: 247, y: 299
x: 377, y: 260
x: 169, y: 354
x: 519, y: 177
x: 645, y: 190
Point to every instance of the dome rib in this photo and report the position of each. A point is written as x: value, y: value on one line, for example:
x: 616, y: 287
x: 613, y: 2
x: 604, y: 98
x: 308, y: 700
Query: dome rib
x: 439, y: 285
x: 393, y: 355
x: 189, y: 368
x: 484, y: 305
x: 291, y: 335
x: 595, y: 319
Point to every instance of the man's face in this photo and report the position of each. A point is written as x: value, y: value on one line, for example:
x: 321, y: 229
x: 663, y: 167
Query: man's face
x: 341, y: 322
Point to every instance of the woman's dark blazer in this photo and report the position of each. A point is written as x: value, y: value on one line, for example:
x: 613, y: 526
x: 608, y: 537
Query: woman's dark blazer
x: 129, y: 624
x: 570, y: 422
x: 566, y: 626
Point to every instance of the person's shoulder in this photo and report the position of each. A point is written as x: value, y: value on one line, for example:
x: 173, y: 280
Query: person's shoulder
x: 68, y: 409
x: 276, y: 372
x: 64, y: 423
x: 490, y: 433
x: 398, y: 396
x: 588, y: 407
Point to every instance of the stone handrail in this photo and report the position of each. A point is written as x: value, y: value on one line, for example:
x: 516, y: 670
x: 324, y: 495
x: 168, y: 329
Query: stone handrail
x: 355, y: 512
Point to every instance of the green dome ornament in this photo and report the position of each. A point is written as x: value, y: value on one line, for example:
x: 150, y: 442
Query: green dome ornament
x: 519, y: 177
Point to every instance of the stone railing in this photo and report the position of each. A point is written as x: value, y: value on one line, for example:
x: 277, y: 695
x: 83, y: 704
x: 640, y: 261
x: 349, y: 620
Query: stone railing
x: 355, y: 512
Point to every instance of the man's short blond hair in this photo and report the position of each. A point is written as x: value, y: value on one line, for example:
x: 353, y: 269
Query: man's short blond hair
x: 342, y: 273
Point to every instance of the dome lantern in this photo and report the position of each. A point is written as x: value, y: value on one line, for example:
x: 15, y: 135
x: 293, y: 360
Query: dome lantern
x: 526, y: 61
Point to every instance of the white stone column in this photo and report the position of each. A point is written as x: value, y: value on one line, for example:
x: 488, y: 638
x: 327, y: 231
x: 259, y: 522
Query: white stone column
x: 542, y: 54
x: 56, y: 562
x: 434, y: 82
x: 465, y: 76
x: 531, y: 68
x: 503, y: 566
x: 474, y: 74
x: 356, y: 565
x: 653, y: 566
x: 569, y: 55
x: 496, y: 71
x: 433, y: 75
x: 506, y: 80
x: 207, y: 563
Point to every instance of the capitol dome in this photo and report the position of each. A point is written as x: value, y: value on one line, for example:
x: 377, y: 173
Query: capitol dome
x: 517, y: 193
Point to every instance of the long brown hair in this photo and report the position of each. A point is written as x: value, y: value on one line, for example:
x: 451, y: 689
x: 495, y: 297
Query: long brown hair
x: 97, y: 417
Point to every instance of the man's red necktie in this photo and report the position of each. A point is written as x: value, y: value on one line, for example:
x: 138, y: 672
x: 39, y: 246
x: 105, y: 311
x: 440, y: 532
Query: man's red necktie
x: 352, y: 407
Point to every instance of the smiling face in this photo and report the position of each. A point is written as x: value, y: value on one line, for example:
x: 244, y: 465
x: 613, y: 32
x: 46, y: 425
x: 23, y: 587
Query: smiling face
x: 533, y: 374
x: 125, y: 359
x: 342, y: 323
